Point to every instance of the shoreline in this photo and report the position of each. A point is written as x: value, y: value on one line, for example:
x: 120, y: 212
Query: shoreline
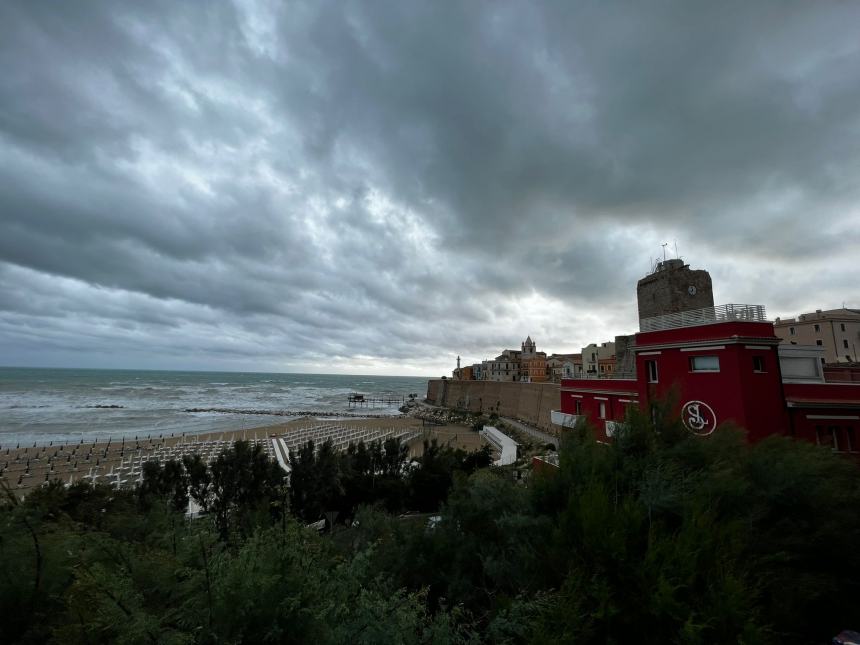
x: 25, y: 468
x: 22, y: 438
x: 319, y: 414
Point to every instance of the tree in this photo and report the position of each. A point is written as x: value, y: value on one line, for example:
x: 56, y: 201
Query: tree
x: 243, y: 481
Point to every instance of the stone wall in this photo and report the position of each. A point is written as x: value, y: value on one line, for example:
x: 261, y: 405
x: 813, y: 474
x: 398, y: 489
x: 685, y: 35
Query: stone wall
x: 667, y: 290
x: 625, y: 359
x: 530, y: 402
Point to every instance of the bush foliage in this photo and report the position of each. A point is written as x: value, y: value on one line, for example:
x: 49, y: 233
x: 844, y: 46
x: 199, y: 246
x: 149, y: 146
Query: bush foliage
x: 660, y: 537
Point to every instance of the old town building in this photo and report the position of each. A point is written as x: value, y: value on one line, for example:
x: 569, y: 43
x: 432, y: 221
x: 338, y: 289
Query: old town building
x: 836, y: 331
x: 594, y: 356
x: 532, y: 363
x: 505, y: 367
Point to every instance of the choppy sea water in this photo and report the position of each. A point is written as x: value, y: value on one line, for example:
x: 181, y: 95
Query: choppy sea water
x: 58, y: 404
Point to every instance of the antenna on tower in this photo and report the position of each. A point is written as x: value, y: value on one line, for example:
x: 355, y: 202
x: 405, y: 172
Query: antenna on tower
x: 664, y: 245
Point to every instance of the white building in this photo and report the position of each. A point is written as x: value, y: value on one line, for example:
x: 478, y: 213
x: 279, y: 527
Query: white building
x: 505, y: 367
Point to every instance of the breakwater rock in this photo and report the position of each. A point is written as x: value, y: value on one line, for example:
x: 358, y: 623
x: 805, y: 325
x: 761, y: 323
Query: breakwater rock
x: 105, y: 407
x: 442, y: 416
x: 292, y: 413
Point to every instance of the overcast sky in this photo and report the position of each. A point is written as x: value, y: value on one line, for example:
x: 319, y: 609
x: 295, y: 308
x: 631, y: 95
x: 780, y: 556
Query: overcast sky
x: 377, y: 187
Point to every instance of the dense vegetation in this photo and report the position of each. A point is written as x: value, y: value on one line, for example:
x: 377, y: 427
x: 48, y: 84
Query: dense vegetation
x: 660, y: 537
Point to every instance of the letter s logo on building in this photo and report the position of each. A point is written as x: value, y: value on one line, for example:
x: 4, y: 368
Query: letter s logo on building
x: 698, y: 418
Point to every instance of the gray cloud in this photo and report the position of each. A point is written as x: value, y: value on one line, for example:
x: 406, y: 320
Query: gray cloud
x: 377, y: 187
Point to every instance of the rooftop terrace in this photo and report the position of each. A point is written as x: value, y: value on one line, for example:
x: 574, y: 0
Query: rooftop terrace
x: 705, y: 316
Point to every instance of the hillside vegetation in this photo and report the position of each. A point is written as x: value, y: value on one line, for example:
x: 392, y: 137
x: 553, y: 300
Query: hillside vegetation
x: 658, y: 538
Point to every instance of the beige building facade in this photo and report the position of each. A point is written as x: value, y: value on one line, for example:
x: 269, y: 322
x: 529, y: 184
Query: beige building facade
x: 555, y: 366
x: 837, y: 331
x: 594, y: 355
x: 505, y: 367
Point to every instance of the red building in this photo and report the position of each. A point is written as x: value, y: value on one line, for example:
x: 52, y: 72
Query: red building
x: 725, y: 365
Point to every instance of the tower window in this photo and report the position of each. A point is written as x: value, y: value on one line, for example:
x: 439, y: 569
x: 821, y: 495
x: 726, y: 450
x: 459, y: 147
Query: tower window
x: 602, y: 410
x: 651, y: 368
x: 758, y: 363
x: 819, y: 342
x: 791, y: 331
x: 845, y: 343
x: 842, y: 326
x: 817, y: 328
x: 704, y: 363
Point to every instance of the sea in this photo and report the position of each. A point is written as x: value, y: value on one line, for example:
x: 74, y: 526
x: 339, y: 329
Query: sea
x: 43, y: 405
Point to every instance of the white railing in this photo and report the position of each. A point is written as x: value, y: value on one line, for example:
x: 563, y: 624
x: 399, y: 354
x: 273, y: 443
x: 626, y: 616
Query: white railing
x: 563, y: 419
x: 505, y: 445
x: 612, y: 427
x: 629, y: 375
x: 705, y: 316
x: 552, y: 460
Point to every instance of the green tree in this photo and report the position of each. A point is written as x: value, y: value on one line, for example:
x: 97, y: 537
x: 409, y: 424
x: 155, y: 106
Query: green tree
x: 244, y: 481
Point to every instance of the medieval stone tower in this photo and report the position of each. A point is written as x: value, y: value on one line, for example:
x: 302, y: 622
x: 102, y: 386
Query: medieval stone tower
x: 672, y: 288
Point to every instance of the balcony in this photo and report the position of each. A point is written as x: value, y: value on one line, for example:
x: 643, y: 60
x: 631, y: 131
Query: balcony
x: 559, y: 418
x: 705, y: 316
x: 612, y: 427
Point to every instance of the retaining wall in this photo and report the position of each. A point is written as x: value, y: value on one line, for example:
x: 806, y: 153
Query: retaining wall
x: 531, y: 402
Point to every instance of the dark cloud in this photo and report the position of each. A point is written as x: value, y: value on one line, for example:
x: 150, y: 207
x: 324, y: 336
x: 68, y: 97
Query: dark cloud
x: 377, y: 187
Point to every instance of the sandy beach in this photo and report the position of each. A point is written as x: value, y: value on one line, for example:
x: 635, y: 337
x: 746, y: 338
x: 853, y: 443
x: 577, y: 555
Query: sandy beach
x: 25, y: 467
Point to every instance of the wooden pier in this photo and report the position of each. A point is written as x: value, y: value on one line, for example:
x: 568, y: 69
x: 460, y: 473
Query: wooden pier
x: 363, y: 400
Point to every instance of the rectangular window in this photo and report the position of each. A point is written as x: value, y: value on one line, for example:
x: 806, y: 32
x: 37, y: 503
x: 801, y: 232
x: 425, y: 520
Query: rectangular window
x: 791, y: 331
x: 758, y: 363
x: 805, y: 367
x: 602, y: 410
x: 817, y: 328
x: 842, y: 326
x: 651, y: 368
x: 834, y: 437
x: 819, y: 342
x: 704, y: 363
x: 824, y: 437
x: 845, y: 343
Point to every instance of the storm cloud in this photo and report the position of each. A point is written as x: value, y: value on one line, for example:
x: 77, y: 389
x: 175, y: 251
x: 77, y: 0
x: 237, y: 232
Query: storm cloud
x: 378, y: 187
